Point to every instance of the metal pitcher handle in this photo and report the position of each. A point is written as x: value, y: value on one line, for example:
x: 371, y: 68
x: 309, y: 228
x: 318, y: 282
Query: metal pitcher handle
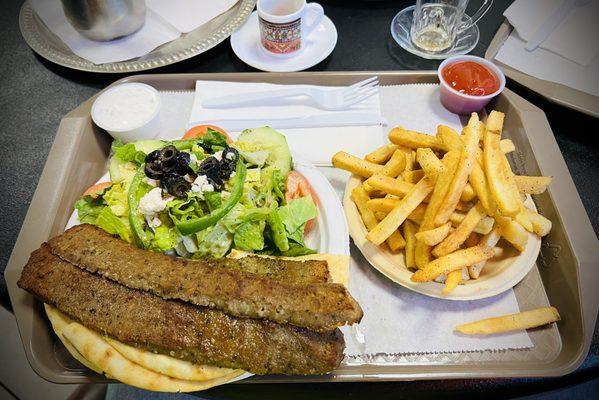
x: 477, y: 15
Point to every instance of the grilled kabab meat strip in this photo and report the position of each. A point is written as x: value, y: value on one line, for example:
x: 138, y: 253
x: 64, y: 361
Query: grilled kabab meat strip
x: 197, y: 334
x: 317, y: 306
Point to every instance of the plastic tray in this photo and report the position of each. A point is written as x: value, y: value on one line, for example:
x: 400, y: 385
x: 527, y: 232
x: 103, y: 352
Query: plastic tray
x: 567, y: 267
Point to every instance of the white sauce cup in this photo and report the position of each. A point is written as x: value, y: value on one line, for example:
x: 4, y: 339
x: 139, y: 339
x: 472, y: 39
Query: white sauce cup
x: 128, y: 112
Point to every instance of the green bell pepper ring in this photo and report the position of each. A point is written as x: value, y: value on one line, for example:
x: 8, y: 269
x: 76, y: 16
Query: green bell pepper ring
x: 198, y: 224
x: 137, y: 224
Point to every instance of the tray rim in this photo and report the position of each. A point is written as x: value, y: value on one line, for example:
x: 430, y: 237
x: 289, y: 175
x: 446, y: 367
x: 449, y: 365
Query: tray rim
x: 39, y: 43
x: 554, y: 92
x: 74, y: 120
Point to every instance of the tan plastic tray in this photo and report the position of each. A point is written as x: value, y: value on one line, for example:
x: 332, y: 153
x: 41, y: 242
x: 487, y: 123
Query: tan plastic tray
x: 555, y: 92
x: 568, y: 267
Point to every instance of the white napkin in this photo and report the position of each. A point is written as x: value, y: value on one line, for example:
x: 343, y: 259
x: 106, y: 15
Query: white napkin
x: 187, y: 15
x: 575, y: 38
x: 155, y: 32
x: 310, y: 131
x: 546, y: 65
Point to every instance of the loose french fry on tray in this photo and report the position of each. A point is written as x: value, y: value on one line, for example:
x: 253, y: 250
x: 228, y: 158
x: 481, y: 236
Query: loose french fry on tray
x: 409, y: 231
x: 355, y: 165
x: 506, y: 146
x: 453, y: 261
x: 513, y: 322
x: 452, y: 281
x: 396, y: 164
x: 434, y: 236
x: 490, y: 240
x: 467, y: 158
x: 399, y: 214
x: 455, y: 239
x: 513, y: 232
x: 414, y: 140
x: 360, y: 198
x: 494, y: 171
x: 532, y: 184
x: 382, y: 154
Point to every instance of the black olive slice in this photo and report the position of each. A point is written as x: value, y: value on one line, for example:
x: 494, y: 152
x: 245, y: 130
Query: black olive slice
x: 153, y: 170
x: 153, y: 156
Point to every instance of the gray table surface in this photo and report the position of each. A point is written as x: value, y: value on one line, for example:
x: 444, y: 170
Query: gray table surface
x: 35, y: 94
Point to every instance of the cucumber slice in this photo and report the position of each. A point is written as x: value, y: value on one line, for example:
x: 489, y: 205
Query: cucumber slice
x: 266, y: 138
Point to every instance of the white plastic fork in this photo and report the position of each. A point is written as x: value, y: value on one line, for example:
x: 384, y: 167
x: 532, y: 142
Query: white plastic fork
x: 328, y: 99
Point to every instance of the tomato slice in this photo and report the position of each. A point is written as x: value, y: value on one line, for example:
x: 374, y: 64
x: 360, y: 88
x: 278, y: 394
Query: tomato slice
x: 95, y: 190
x: 298, y: 186
x: 200, y: 130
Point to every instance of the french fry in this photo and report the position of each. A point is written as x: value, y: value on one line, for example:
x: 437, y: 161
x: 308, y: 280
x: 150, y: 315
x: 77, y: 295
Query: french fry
x: 383, y: 205
x: 413, y: 176
x: 513, y: 232
x: 479, y: 183
x: 396, y: 241
x: 430, y: 163
x: 494, y: 171
x: 506, y: 146
x: 355, y: 165
x: 483, y: 227
x: 460, y: 178
x: 456, y: 238
x: 452, y: 262
x: 395, y: 165
x: 472, y: 240
x: 434, y: 236
x: 396, y: 187
x: 422, y: 251
x: 495, y: 122
x: 452, y: 281
x: 532, y: 184
x: 540, y: 225
x: 360, y: 198
x: 417, y: 215
x: 410, y: 159
x: 512, y: 322
x: 382, y: 154
x: 490, y: 240
x: 409, y: 230
x: 449, y: 137
x: 414, y: 140
x: 399, y: 214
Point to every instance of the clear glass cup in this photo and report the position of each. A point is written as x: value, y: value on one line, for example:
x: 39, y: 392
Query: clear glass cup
x: 437, y: 23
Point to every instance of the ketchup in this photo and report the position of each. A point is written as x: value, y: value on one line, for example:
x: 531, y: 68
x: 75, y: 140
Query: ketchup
x: 470, y: 78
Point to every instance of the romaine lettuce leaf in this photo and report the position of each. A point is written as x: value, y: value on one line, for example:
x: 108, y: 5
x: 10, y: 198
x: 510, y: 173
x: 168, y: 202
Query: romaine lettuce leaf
x: 165, y: 238
x: 295, y: 215
x: 113, y: 224
x: 214, y: 138
x: 88, y: 208
x: 249, y: 236
x: 127, y: 152
x: 116, y: 198
x: 216, y: 242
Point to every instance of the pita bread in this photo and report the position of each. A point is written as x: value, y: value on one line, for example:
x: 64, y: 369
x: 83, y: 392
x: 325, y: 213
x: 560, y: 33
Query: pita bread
x: 94, y: 348
x: 338, y: 263
x: 169, y: 366
x: 59, y: 321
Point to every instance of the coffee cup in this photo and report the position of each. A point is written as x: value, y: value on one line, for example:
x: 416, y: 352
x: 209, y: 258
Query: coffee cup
x: 284, y: 25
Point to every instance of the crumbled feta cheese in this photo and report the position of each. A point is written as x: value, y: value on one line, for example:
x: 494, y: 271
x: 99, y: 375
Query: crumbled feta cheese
x: 232, y: 175
x: 201, y: 185
x: 188, y: 178
x: 193, y: 158
x: 230, y: 156
x: 150, y: 181
x: 225, y: 195
x: 153, y: 221
x: 152, y: 202
x: 218, y: 155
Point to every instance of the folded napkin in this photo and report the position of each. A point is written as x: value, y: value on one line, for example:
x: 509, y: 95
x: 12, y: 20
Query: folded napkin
x: 574, y: 38
x: 313, y: 133
x: 162, y: 25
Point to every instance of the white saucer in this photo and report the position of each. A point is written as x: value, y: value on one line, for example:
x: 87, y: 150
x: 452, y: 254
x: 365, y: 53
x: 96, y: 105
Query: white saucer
x: 318, y: 45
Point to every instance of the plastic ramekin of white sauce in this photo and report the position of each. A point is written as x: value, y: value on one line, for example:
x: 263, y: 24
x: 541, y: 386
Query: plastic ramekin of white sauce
x: 129, y: 111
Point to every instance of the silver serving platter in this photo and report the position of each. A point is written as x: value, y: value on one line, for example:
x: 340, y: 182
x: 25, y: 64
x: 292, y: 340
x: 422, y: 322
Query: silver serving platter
x: 48, y: 45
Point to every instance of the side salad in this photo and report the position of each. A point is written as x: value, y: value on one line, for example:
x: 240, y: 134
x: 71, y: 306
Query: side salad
x: 204, y: 195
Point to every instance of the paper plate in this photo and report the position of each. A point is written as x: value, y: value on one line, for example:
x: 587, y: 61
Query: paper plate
x: 500, y: 273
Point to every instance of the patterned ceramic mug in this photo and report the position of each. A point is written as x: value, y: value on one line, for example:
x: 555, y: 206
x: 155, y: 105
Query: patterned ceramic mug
x: 284, y: 24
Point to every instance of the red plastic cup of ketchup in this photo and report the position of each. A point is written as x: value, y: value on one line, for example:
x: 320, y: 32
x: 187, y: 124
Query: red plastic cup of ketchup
x: 468, y: 83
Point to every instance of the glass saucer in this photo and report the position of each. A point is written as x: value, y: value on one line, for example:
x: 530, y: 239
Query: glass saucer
x: 402, y: 24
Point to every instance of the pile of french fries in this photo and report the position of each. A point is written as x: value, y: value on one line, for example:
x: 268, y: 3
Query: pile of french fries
x: 445, y: 200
